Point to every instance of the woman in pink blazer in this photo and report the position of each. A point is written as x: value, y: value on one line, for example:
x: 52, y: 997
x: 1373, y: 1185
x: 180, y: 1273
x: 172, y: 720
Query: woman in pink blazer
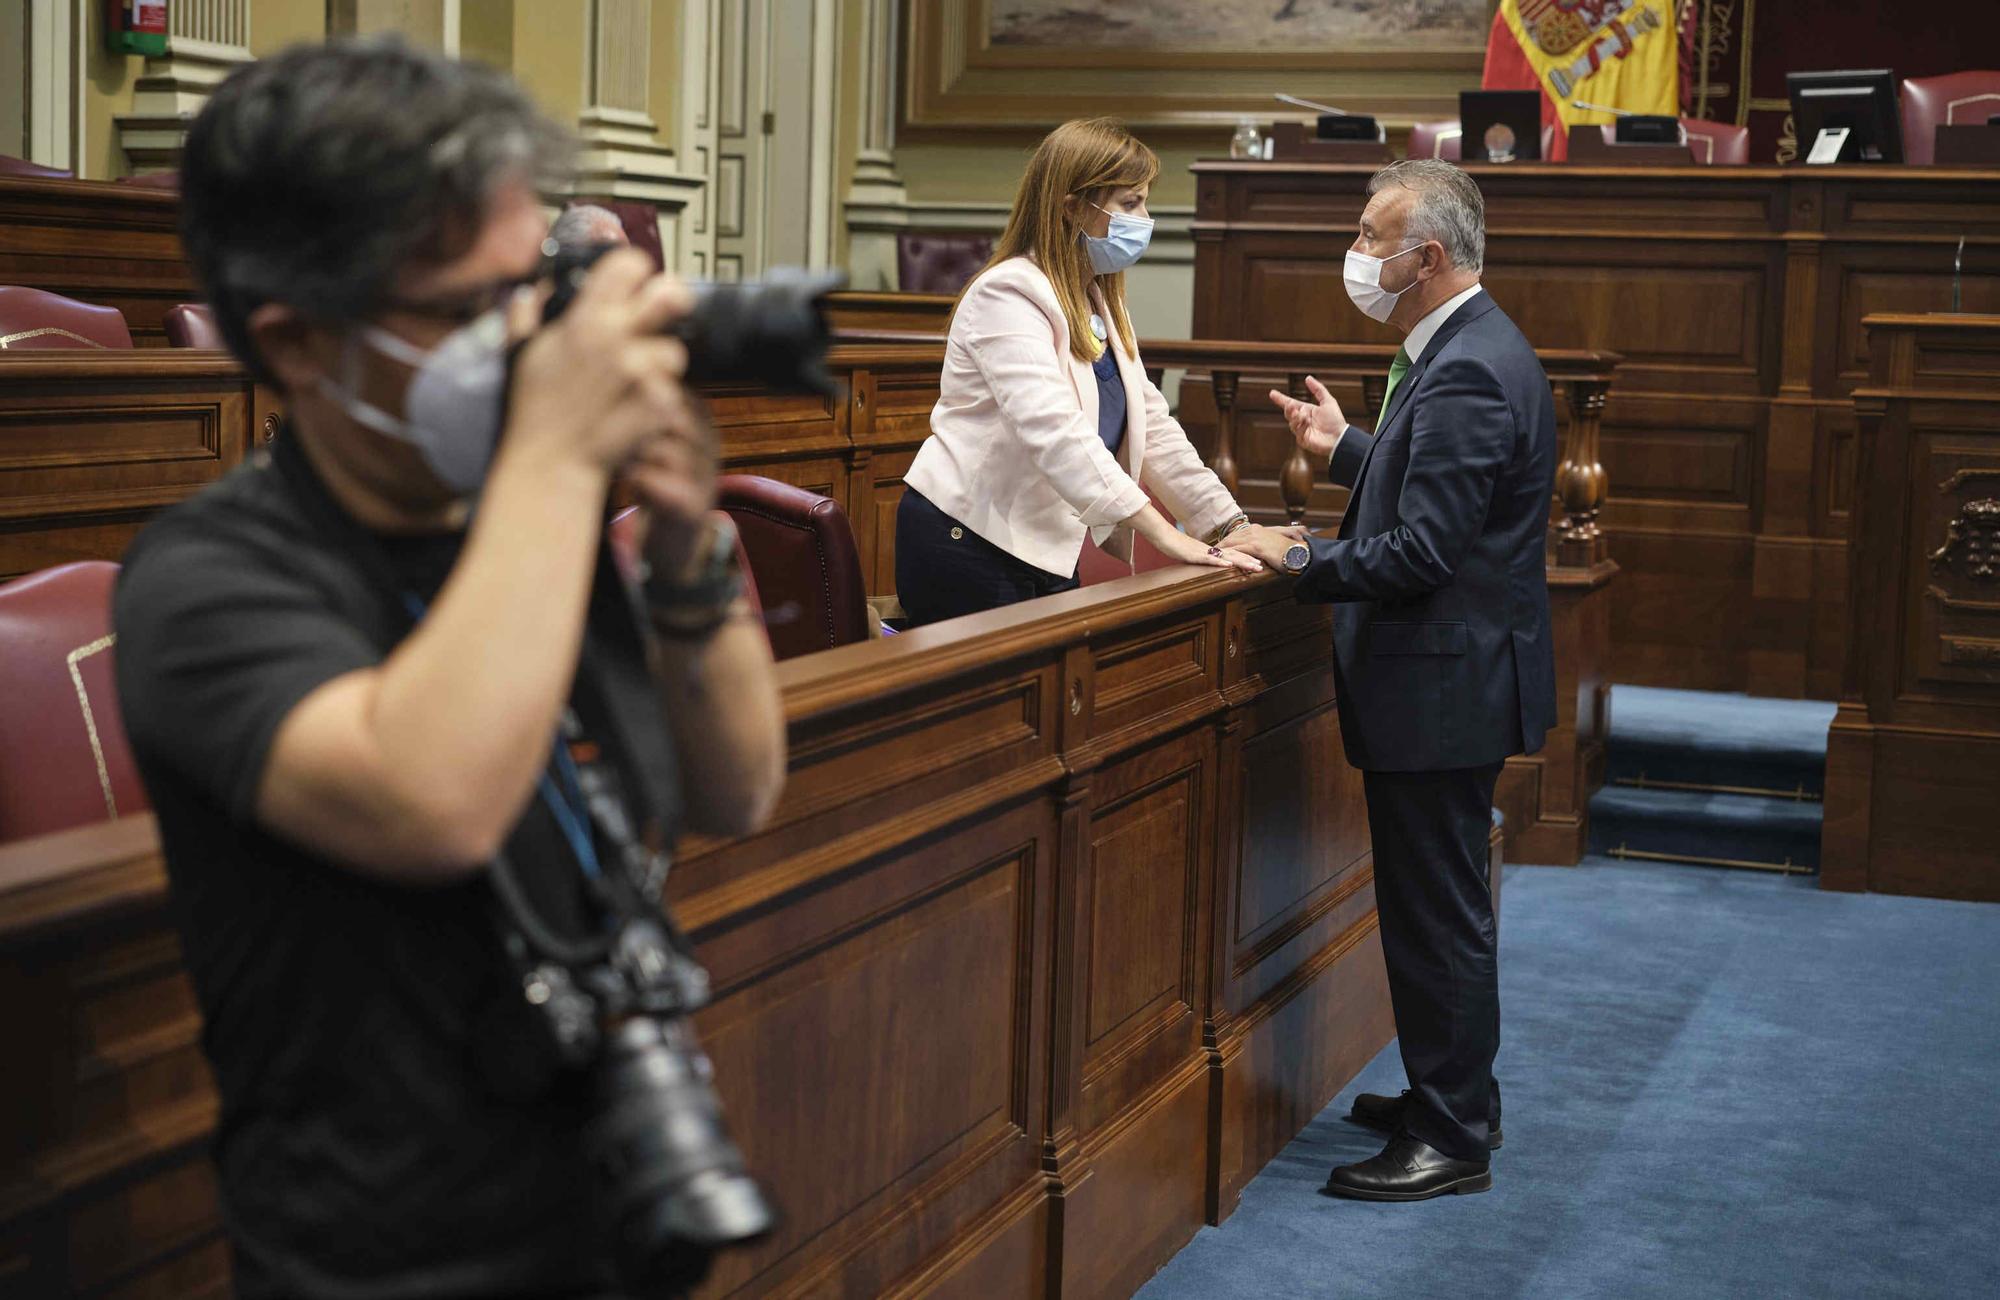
x: 1046, y: 424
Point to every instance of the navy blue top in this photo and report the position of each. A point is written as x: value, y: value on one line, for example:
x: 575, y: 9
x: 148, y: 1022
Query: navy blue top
x: 1110, y: 400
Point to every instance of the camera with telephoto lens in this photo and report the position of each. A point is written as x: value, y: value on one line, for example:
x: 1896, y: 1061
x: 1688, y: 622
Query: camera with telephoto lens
x: 771, y: 332
x: 672, y: 1187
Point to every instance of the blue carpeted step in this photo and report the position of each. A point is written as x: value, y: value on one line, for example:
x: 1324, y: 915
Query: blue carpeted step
x: 1690, y: 825
x: 1735, y: 742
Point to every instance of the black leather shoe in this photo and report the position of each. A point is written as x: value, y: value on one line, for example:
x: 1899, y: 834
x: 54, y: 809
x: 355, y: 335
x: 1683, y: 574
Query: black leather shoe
x: 1385, y: 1114
x: 1409, y: 1170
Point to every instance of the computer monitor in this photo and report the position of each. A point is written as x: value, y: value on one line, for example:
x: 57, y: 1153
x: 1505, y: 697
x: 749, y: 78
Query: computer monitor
x: 1863, y: 103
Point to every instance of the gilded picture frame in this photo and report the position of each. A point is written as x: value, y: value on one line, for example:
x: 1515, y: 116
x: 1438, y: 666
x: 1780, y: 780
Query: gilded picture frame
x: 956, y: 78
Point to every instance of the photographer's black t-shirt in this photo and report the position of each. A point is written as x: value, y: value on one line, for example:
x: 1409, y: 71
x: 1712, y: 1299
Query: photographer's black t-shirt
x: 393, y: 1121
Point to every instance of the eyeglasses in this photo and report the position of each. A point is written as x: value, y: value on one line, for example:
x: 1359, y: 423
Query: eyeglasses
x: 463, y: 305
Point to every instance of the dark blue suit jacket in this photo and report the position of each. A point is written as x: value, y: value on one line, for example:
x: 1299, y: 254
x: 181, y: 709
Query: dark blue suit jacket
x: 1443, y: 656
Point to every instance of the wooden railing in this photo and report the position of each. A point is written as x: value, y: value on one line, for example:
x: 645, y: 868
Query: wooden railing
x: 1581, y: 377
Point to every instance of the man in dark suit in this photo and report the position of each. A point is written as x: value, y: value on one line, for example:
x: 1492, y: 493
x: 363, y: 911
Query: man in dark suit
x: 1442, y: 649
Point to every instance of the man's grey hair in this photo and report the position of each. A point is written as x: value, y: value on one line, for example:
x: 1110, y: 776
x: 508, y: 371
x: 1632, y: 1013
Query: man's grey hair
x: 1448, y: 208
x: 586, y: 224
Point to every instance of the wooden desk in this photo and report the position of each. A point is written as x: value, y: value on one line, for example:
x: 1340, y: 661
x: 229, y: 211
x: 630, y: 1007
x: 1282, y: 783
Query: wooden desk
x: 1735, y: 295
x: 1913, y: 758
x: 93, y: 444
x: 113, y: 245
x: 1064, y: 926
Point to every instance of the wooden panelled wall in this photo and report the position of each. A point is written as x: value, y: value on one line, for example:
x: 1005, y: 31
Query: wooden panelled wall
x: 1734, y: 294
x: 1064, y: 925
x: 1913, y: 761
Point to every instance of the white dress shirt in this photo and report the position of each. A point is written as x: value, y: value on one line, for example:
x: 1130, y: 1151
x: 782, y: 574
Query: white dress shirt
x: 1420, y: 337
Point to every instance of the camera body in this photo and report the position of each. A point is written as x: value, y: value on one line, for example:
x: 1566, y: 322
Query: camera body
x: 770, y: 332
x: 672, y: 1187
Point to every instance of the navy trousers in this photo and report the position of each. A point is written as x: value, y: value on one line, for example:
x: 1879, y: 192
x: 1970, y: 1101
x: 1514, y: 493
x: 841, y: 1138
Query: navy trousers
x: 944, y: 569
x: 1435, y: 903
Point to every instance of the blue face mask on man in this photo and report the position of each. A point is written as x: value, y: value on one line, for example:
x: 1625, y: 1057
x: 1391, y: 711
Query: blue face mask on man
x: 1121, y: 244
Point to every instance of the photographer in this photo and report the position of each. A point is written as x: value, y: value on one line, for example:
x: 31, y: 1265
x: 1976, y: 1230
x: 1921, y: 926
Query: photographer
x: 393, y: 651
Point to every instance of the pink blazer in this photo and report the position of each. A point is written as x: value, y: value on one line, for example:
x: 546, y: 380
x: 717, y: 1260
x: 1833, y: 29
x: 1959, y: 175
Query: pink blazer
x: 1014, y: 453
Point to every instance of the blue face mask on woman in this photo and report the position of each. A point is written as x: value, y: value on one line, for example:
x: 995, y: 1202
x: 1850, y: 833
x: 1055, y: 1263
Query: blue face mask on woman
x: 1121, y: 244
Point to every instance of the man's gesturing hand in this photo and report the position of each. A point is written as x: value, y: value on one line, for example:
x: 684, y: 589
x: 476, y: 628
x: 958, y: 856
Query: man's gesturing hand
x: 1316, y: 428
x: 603, y: 380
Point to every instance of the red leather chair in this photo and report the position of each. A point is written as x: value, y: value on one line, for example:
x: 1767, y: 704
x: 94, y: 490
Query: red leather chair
x: 192, y: 325
x: 1717, y: 143
x: 939, y: 263
x: 1443, y: 140
x: 1955, y: 99
x: 64, y: 759
x: 1436, y: 140
x: 22, y: 167
x: 33, y: 318
x: 1712, y: 143
x: 802, y: 555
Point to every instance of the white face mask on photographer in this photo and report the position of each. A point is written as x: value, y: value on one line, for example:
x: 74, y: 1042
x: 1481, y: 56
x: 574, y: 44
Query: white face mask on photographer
x: 454, y: 405
x: 1363, y: 278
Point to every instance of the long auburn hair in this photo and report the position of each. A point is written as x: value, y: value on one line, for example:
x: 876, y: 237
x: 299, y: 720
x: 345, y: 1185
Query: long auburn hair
x: 1085, y: 160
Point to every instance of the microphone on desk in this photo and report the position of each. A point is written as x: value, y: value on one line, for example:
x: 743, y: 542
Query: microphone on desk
x: 1957, y: 275
x: 1599, y: 108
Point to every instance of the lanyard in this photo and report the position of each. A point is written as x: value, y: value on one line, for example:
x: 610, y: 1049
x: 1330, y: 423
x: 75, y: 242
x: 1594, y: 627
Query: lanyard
x: 565, y: 801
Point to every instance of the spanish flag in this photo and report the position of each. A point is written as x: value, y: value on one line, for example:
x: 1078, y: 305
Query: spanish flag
x: 1617, y: 53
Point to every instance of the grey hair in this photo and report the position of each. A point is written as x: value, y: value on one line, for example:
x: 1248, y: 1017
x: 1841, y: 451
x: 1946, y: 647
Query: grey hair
x: 583, y: 224
x: 1448, y: 208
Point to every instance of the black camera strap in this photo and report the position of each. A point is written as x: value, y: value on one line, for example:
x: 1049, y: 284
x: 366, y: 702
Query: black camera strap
x: 613, y: 701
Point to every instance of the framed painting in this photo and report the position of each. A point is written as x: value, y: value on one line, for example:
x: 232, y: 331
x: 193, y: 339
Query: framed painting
x: 1184, y: 63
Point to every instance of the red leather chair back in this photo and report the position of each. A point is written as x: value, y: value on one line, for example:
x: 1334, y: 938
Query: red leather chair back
x: 64, y: 759
x: 22, y: 167
x: 192, y: 325
x: 939, y: 263
x: 1717, y: 143
x: 33, y: 318
x: 1955, y: 99
x: 641, y: 222
x: 803, y: 557
x: 625, y: 550
x: 1436, y: 140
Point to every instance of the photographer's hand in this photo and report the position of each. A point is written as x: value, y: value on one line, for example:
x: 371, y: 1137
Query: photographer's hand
x: 602, y: 380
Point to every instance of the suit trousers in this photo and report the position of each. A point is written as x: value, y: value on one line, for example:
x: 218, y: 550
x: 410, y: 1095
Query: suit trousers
x: 1435, y: 904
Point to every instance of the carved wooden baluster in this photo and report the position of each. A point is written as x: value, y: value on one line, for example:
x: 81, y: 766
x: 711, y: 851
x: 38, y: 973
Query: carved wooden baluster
x: 1580, y: 478
x: 1224, y: 464
x: 1374, y: 387
x: 1295, y: 481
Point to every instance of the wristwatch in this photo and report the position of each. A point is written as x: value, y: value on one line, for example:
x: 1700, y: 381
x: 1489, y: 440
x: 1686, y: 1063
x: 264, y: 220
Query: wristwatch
x: 1297, y: 556
x: 698, y: 607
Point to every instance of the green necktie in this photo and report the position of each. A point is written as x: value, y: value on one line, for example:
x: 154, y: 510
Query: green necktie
x: 1397, y: 369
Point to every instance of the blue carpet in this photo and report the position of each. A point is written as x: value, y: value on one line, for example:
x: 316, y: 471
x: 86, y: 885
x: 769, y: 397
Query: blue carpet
x: 1718, y: 1083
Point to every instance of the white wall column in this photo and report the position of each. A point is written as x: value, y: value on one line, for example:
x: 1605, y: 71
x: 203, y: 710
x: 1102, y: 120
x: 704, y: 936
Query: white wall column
x: 55, y: 83
x: 206, y: 41
x: 876, y: 197
x: 695, y: 136
x: 622, y: 155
